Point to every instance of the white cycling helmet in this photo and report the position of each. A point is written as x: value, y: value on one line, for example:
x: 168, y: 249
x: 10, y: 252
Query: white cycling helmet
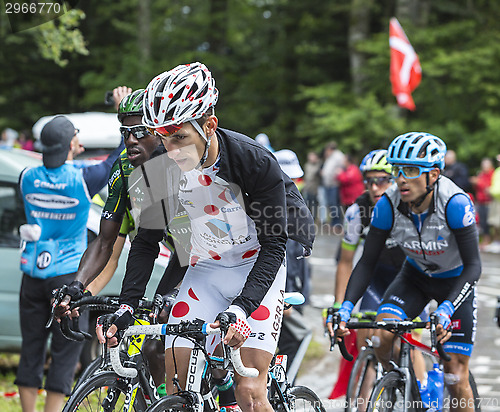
x: 182, y: 94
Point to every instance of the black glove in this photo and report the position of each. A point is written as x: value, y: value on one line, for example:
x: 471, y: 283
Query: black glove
x: 122, y: 319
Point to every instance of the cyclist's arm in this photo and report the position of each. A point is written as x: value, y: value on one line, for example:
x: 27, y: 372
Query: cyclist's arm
x: 107, y: 273
x: 140, y: 263
x: 352, y: 235
x: 268, y: 211
x: 174, y: 273
x: 98, y: 252
x: 380, y: 228
x: 96, y: 176
x: 461, y: 219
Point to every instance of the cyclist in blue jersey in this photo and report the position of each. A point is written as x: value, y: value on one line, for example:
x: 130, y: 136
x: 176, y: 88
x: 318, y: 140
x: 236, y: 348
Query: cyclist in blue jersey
x: 432, y: 219
x: 242, y: 209
x: 57, y: 198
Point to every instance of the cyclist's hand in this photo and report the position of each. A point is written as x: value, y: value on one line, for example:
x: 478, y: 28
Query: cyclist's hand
x: 238, y: 330
x: 108, y: 325
x: 119, y: 93
x: 444, y: 313
x: 74, y: 291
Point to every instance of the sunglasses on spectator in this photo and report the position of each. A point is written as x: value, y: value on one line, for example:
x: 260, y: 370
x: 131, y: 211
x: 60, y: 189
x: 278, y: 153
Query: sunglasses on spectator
x: 379, y: 181
x: 137, y: 131
x: 164, y: 131
x: 410, y: 172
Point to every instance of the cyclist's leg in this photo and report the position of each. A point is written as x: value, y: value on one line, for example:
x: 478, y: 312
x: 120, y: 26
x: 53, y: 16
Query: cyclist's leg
x: 251, y: 393
x: 403, y: 299
x: 258, y: 350
x: 204, y: 293
x: 464, y: 323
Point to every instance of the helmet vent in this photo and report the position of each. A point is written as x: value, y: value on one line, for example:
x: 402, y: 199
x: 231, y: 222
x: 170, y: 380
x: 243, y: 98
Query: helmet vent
x: 423, y: 150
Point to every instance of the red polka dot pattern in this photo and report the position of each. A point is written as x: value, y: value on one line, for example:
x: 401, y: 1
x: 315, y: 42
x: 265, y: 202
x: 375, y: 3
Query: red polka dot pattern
x: 261, y: 313
x: 249, y: 253
x: 192, y: 295
x: 204, y: 180
x: 180, y: 309
x: 211, y: 210
x: 214, y: 255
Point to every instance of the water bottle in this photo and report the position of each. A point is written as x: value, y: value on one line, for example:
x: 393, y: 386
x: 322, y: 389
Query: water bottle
x: 435, y: 386
x: 424, y: 393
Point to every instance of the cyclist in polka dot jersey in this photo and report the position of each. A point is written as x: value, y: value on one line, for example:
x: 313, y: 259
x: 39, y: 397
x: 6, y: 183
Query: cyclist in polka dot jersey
x: 242, y: 209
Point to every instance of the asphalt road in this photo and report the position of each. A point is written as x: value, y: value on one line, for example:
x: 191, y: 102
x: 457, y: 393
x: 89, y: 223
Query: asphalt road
x: 485, y: 361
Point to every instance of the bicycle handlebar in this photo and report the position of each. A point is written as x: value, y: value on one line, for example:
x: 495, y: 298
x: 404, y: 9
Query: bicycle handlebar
x: 184, y: 329
x: 394, y: 326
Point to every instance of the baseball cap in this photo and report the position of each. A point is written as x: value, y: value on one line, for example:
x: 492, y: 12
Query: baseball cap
x: 289, y: 163
x: 56, y: 137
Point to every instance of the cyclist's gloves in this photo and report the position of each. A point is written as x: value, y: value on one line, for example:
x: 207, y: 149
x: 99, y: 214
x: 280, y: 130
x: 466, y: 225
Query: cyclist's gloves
x: 444, y: 313
x: 345, y: 311
x: 122, y: 318
x: 332, y: 310
x: 77, y: 291
x: 236, y: 317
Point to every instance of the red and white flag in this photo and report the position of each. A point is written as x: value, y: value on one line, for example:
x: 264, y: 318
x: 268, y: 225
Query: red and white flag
x: 406, y: 72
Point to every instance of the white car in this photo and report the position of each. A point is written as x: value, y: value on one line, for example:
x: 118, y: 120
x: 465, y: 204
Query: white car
x: 97, y: 130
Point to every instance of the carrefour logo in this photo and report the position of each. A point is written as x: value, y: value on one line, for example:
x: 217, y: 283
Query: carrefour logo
x: 49, y: 201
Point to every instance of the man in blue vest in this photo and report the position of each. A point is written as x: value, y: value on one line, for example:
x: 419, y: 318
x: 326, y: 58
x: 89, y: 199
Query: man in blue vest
x: 57, y: 198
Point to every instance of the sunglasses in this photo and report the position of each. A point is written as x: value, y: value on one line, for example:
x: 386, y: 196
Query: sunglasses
x: 410, y: 172
x: 379, y: 181
x: 164, y: 131
x: 137, y: 131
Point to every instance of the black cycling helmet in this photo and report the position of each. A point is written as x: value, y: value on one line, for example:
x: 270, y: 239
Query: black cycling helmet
x: 131, y: 105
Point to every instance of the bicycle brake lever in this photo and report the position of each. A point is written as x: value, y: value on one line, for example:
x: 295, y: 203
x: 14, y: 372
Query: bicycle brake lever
x: 58, y: 297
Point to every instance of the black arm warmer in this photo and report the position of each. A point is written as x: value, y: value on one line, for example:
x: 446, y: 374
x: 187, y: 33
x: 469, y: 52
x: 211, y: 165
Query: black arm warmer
x: 141, y: 259
x: 363, y: 272
x: 468, y: 246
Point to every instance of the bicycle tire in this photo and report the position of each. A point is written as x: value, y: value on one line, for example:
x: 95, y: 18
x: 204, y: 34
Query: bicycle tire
x: 95, y: 367
x: 105, y: 391
x: 388, y: 395
x: 303, y: 399
x: 366, y: 359
x: 475, y: 394
x: 170, y: 403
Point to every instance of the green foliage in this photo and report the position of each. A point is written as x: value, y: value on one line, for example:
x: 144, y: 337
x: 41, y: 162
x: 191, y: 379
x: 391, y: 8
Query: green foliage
x: 58, y: 36
x: 282, y: 67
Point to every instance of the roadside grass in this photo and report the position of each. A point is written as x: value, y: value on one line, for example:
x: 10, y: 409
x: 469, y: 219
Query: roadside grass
x: 9, y: 399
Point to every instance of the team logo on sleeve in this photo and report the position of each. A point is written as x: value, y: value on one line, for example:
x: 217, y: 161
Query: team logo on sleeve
x: 469, y: 216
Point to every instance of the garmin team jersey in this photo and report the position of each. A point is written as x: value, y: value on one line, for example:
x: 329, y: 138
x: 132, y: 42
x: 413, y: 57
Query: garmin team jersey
x: 427, y: 239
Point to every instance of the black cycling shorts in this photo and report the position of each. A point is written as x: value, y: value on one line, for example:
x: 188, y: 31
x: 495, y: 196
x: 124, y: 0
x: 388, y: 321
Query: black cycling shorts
x: 411, y: 291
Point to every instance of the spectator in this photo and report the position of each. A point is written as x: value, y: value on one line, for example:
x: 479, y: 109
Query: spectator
x: 494, y: 212
x: 456, y: 171
x: 25, y: 141
x: 8, y: 138
x: 351, y: 183
x: 57, y: 198
x: 481, y: 184
x: 294, y: 329
x: 263, y: 139
x: 334, y: 162
x: 312, y: 181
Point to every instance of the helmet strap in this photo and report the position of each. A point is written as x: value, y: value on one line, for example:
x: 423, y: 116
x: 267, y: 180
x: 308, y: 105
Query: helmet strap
x: 429, y: 188
x: 207, y: 143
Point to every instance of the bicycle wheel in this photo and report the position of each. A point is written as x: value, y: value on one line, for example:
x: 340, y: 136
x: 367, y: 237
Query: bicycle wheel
x: 447, y: 401
x: 388, y: 395
x: 361, y: 380
x: 107, y: 392
x: 302, y: 399
x: 170, y: 403
x: 95, y: 366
